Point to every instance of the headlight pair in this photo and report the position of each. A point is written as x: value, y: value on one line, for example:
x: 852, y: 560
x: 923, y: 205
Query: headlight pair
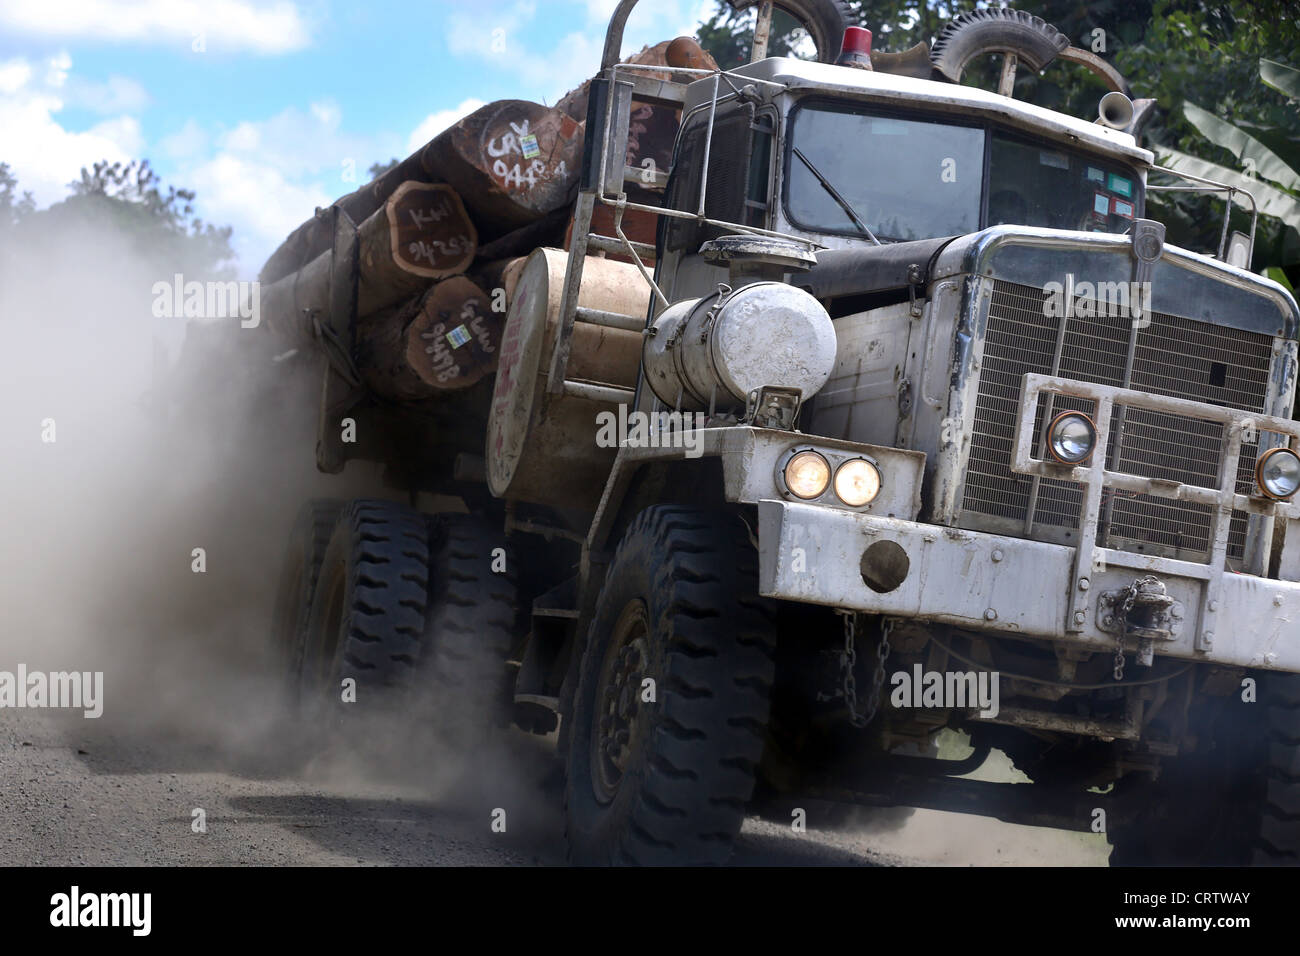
x: 808, y: 475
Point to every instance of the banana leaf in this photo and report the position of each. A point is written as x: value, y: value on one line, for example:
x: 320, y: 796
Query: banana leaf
x: 1242, y: 145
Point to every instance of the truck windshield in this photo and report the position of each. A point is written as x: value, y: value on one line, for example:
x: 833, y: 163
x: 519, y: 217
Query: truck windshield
x: 921, y: 178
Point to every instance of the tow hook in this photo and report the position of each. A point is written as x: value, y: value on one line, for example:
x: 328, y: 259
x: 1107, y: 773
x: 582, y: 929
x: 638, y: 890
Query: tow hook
x: 1144, y: 611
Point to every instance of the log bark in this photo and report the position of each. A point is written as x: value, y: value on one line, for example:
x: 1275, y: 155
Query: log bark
x: 652, y: 129
x: 511, y: 161
x: 547, y: 231
x: 446, y: 340
x: 681, y: 52
x: 500, y: 274
x: 420, y: 234
x: 314, y: 237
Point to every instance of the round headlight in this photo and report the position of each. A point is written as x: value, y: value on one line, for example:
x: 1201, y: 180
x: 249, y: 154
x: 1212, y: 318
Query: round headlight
x: 857, y: 482
x: 1278, y: 472
x: 1071, y: 438
x: 807, y: 474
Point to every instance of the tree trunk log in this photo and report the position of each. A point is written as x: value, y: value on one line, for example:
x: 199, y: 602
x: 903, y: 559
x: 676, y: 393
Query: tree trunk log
x: 511, y: 161
x: 313, y: 237
x: 420, y: 234
x: 444, y: 341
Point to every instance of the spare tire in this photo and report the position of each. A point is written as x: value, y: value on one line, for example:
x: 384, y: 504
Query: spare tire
x: 1033, y: 40
x: 825, y: 21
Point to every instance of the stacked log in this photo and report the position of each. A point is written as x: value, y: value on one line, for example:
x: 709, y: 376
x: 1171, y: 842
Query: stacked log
x: 446, y: 340
x: 314, y: 237
x: 419, y: 234
x: 443, y: 236
x: 511, y: 161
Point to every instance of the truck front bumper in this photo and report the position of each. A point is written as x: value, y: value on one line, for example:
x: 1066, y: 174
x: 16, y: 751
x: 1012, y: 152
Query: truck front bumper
x: 992, y: 583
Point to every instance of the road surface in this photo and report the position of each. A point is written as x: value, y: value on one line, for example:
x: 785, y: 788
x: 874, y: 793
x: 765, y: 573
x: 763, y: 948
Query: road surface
x: 79, y: 791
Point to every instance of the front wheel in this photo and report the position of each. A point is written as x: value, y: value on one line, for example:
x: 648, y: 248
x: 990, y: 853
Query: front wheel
x: 672, y: 701
x: 1233, y: 802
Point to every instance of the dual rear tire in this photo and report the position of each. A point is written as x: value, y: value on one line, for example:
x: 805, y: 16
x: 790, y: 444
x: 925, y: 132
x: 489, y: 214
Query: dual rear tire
x: 395, y: 612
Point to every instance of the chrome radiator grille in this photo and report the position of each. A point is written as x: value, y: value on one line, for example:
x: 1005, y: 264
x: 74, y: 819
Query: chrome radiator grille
x: 1174, y: 356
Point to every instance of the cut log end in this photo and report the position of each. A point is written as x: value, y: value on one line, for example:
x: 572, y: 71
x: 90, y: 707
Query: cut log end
x: 430, y: 233
x: 447, y: 340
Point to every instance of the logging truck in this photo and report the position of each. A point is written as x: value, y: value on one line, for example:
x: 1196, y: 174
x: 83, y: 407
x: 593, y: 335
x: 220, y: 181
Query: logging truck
x: 870, y: 405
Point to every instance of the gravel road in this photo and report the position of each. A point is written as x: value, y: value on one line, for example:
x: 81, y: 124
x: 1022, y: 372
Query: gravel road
x: 81, y: 791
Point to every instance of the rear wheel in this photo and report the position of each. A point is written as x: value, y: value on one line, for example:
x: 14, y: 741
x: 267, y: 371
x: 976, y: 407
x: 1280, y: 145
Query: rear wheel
x: 471, y: 628
x: 671, y: 706
x: 298, y: 575
x: 367, y: 618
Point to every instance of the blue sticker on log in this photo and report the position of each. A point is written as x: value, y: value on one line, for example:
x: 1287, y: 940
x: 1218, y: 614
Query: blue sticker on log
x: 458, y: 336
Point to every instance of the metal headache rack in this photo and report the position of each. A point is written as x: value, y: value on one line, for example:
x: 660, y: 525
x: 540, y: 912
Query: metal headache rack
x: 605, y: 174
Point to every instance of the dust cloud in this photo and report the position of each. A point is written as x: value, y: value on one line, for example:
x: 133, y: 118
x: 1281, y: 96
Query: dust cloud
x: 130, y: 442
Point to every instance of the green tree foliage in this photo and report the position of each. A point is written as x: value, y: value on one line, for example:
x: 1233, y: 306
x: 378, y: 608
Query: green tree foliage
x: 129, y: 200
x: 728, y: 35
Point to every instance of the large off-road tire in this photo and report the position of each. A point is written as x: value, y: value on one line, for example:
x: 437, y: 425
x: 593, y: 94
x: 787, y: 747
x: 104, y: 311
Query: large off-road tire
x: 1234, y: 802
x: 666, y: 780
x: 1034, y: 41
x: 825, y: 21
x: 367, y: 618
x: 471, y: 629
x: 299, y: 572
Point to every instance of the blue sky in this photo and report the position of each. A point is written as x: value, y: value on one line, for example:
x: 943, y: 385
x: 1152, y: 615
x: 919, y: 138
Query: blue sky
x: 269, y: 109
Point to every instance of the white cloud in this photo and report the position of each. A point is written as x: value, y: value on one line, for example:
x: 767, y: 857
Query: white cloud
x: 266, y: 176
x: 261, y: 203
x: 435, y: 123
x: 502, y: 45
x: 224, y: 25
x: 327, y: 113
x: 117, y: 94
x: 43, y: 154
x: 598, y: 11
x: 506, y: 43
x: 14, y: 75
x: 188, y: 142
x: 56, y: 69
x: 300, y: 143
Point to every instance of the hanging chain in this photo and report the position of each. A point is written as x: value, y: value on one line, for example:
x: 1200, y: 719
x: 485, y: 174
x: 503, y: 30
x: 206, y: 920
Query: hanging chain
x: 1126, y: 605
x: 848, y: 666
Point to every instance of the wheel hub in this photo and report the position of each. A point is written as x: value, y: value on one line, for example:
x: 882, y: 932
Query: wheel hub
x: 618, y: 701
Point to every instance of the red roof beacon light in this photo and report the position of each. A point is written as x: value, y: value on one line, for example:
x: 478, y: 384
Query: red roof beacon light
x: 855, y: 51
